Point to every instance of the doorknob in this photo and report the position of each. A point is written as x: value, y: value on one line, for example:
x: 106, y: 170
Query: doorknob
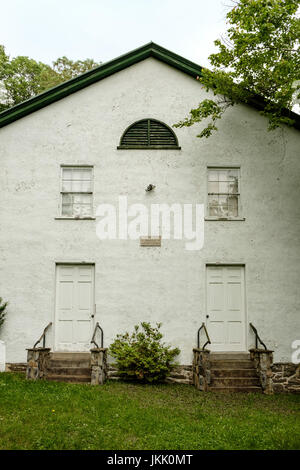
x: 207, y: 316
x: 92, y: 316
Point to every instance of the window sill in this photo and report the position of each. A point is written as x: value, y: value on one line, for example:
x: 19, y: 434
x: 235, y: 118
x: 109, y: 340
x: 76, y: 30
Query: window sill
x: 74, y: 218
x: 225, y: 219
x: 147, y: 147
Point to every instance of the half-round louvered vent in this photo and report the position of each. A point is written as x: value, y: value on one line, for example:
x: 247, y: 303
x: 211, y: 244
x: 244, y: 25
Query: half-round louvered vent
x: 150, y: 134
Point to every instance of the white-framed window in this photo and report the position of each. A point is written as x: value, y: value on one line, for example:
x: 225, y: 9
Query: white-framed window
x: 76, y: 191
x: 223, y: 192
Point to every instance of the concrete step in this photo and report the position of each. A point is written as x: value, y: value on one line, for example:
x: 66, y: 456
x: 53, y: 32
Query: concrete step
x: 69, y: 378
x: 230, y: 364
x: 233, y: 372
x: 69, y: 371
x: 236, y: 382
x: 236, y: 389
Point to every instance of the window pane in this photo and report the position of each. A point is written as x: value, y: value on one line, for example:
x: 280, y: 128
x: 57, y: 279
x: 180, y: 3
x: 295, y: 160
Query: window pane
x: 67, y: 199
x: 213, y: 187
x: 86, y: 174
x: 67, y: 210
x: 67, y: 173
x: 233, y: 174
x: 86, y: 210
x: 86, y: 186
x: 213, y: 175
x: 233, y: 206
x: 223, y: 206
x: 233, y: 186
x: 223, y: 175
x: 86, y: 198
x: 66, y: 186
x: 223, y: 187
x: 76, y: 186
x: 213, y: 211
x: 213, y: 206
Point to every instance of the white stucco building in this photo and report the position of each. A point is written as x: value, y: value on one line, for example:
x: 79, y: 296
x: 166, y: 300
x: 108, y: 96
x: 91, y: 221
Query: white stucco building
x: 60, y: 160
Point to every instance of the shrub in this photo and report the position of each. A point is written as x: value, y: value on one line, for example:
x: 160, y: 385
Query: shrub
x: 142, y: 355
x: 3, y: 306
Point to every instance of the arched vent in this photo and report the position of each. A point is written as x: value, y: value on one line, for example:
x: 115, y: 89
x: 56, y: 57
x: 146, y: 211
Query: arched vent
x: 148, y: 134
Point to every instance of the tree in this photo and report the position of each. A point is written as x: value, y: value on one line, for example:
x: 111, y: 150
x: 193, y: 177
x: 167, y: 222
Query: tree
x: 3, y: 306
x: 22, y: 78
x: 257, y: 60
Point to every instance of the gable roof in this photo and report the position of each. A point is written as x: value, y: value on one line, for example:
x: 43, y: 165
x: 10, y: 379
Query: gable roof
x: 92, y: 76
x: 102, y: 71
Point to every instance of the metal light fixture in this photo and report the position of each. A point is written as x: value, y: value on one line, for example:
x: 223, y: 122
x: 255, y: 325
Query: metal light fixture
x: 150, y: 187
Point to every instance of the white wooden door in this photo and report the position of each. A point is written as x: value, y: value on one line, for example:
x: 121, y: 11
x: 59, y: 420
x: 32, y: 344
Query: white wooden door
x: 74, y: 307
x: 226, y: 308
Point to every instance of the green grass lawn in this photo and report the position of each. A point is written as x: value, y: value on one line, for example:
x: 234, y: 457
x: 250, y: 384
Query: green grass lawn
x: 116, y: 416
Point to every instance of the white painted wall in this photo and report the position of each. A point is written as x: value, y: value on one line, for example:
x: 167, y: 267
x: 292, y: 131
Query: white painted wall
x: 2, y: 356
x: 134, y: 283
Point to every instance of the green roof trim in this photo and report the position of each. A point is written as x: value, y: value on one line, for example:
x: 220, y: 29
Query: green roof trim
x: 102, y: 71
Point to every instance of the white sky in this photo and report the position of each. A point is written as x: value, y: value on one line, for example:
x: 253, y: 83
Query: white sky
x: 104, y: 29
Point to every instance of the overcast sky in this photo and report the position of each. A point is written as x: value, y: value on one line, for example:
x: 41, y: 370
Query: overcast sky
x: 104, y: 29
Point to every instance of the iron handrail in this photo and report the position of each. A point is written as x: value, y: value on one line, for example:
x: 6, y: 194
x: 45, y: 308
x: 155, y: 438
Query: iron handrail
x: 43, y: 337
x: 257, y: 338
x: 94, y: 334
x: 198, y: 336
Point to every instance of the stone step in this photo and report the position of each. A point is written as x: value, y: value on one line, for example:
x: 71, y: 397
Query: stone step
x: 233, y: 372
x: 70, y: 364
x: 70, y: 355
x: 70, y: 359
x: 69, y: 371
x: 229, y: 356
x: 236, y: 382
x: 230, y: 364
x: 236, y: 389
x: 69, y: 378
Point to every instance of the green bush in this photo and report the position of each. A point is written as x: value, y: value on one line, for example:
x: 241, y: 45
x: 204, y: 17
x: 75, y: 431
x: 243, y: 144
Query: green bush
x: 142, y: 355
x: 3, y: 306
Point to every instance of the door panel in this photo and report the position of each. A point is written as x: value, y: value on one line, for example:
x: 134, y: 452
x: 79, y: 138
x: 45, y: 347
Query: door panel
x: 74, y: 307
x: 226, y: 307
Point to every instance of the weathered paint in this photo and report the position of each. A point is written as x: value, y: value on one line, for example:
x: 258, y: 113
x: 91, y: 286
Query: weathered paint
x: 135, y: 283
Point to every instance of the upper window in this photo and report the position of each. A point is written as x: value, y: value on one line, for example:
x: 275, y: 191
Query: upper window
x: 76, y: 191
x: 148, y: 134
x: 224, y: 192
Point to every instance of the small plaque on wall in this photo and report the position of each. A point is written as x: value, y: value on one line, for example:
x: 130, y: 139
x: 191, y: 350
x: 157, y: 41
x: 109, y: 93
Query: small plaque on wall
x: 150, y: 241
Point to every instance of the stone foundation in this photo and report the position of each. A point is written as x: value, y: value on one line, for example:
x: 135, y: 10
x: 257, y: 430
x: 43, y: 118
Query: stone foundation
x: 37, y: 363
x: 263, y: 360
x: 201, y: 369
x: 98, y: 366
x: 181, y: 374
x: 16, y: 367
x: 286, y: 377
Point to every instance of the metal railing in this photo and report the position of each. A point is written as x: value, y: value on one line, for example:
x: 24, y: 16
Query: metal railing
x: 257, y: 338
x: 97, y: 326
x: 43, y: 337
x: 198, y: 336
